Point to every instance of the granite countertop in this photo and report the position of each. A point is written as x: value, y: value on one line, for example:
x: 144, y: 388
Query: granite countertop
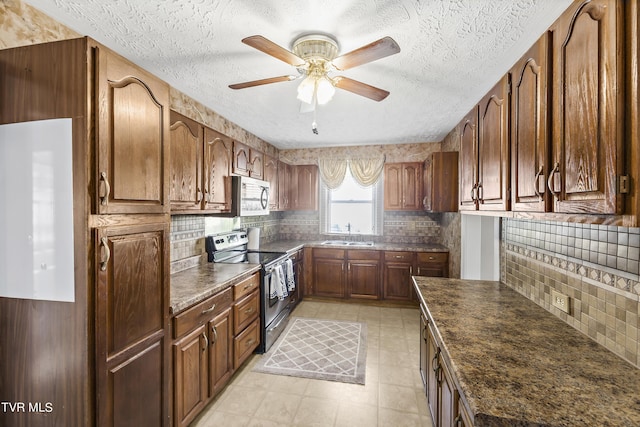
x: 294, y: 245
x: 517, y: 364
x: 190, y: 286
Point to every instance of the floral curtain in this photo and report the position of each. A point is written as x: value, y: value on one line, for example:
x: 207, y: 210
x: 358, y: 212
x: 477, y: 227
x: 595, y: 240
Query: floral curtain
x: 332, y: 171
x: 365, y: 171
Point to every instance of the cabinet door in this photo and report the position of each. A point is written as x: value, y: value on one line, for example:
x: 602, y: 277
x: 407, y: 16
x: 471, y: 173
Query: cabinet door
x: 587, y: 108
x: 433, y: 354
x: 447, y: 398
x: 529, y: 141
x: 218, y: 158
x: 245, y: 343
x: 306, y: 177
x: 190, y: 375
x: 493, y: 148
x: 412, y: 186
x: 424, y: 359
x: 392, y: 186
x: 432, y: 264
x: 241, y: 159
x: 284, y: 185
x: 257, y: 164
x: 132, y: 314
x: 220, y: 351
x: 363, y: 278
x: 397, y: 280
x: 271, y: 175
x: 469, y: 161
x: 132, y: 138
x: 440, y: 182
x: 185, y: 190
x: 328, y: 277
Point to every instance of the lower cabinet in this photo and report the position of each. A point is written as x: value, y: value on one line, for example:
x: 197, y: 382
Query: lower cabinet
x: 432, y: 264
x: 443, y: 397
x: 398, y: 269
x: 363, y: 274
x: 212, y: 340
x: 328, y: 273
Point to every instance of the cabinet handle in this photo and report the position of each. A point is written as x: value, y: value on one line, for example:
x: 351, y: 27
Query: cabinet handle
x: 480, y: 192
x: 399, y: 256
x: 198, y: 196
x: 104, y: 244
x: 457, y: 420
x: 206, y: 342
x: 424, y: 201
x: 247, y: 286
x: 410, y: 270
x: 431, y: 258
x: 107, y: 189
x: 349, y: 266
x: 209, y: 310
x: 215, y: 335
x: 535, y: 183
x: 250, y: 342
x: 249, y: 310
x: 551, y: 181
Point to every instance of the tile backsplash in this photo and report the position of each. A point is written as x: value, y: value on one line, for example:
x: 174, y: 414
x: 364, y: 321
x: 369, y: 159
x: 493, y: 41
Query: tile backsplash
x: 595, y: 265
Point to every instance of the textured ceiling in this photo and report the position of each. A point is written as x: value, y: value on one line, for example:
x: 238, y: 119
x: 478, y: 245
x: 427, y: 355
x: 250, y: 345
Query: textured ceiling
x: 452, y: 53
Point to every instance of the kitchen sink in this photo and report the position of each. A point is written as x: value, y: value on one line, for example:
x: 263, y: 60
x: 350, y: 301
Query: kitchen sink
x: 346, y: 243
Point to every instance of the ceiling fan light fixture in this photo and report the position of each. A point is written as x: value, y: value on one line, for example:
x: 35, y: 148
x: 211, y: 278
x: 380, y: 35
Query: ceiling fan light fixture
x: 306, y: 89
x: 324, y: 90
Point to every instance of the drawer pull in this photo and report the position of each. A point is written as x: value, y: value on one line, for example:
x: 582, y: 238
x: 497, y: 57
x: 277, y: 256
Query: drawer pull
x: 249, y: 310
x: 431, y: 258
x: 209, y: 310
x: 399, y: 256
x: 104, y: 199
x: 249, y: 343
x: 104, y: 243
x: 247, y: 286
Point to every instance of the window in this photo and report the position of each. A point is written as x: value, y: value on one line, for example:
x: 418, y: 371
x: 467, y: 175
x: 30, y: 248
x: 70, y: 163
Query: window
x: 351, y: 208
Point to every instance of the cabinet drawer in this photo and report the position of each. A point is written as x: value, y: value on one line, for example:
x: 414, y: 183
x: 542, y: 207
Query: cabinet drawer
x: 247, y: 286
x: 399, y: 256
x: 246, y: 311
x: 328, y: 253
x: 427, y: 257
x: 245, y: 343
x: 363, y: 254
x: 201, y: 313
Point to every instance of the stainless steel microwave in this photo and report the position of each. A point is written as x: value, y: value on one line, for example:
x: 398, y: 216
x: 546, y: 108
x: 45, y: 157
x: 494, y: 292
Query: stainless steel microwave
x: 250, y: 196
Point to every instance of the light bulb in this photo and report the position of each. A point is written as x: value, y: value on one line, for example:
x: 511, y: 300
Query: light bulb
x: 306, y: 89
x: 324, y: 90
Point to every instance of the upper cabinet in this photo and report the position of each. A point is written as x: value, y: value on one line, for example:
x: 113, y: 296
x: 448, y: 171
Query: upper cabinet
x: 304, y: 188
x: 440, y: 182
x: 403, y: 186
x: 588, y: 117
x: 493, y: 149
x: 469, y: 160
x: 218, y: 159
x: 132, y: 132
x: 247, y: 161
x: 529, y: 130
x: 284, y: 185
x: 201, y: 161
x: 185, y: 191
x: 271, y: 175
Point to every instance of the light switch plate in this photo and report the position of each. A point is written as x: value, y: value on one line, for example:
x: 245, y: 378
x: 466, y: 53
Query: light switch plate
x: 560, y: 301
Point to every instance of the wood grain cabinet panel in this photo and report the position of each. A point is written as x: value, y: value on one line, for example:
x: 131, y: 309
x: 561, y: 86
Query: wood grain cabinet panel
x: 218, y: 160
x: 469, y: 161
x: 305, y: 187
x: 403, y: 186
x: 587, y: 156
x: 190, y: 375
x: 398, y: 269
x: 132, y: 138
x: 271, y: 176
x: 220, y: 351
x: 186, y: 189
x: 363, y: 274
x: 440, y: 182
x: 529, y: 131
x: 284, y: 186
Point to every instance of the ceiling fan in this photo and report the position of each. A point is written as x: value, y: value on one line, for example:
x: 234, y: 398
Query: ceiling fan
x: 315, y: 56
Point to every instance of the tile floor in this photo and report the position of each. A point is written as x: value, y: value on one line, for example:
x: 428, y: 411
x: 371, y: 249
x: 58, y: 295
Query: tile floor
x: 392, y: 395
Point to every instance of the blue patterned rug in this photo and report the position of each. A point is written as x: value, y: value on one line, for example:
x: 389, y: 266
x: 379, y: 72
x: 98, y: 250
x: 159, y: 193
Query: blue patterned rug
x: 333, y: 350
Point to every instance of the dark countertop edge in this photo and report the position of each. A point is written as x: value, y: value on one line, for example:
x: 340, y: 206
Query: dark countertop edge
x: 175, y: 309
x: 297, y: 245
x: 482, y: 418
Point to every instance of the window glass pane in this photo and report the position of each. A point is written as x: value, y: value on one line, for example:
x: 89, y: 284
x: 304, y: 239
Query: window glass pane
x: 351, y: 208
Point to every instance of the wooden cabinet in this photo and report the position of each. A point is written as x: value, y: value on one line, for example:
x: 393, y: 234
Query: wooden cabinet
x: 246, y: 322
x: 363, y: 274
x: 432, y: 264
x: 493, y: 148
x: 247, y: 161
x: 432, y: 375
x: 202, y: 355
x: 587, y: 132
x: 529, y: 130
x: 295, y: 296
x: 398, y: 269
x: 284, y: 186
x: 132, y: 315
x: 304, y: 188
x: 218, y: 159
x: 484, y: 152
x: 403, y: 186
x: 186, y: 189
x: 200, y: 168
x: 469, y: 160
x: 423, y: 363
x: 245, y: 343
x: 190, y: 375
x: 328, y: 273
x: 440, y: 182
x: 271, y: 175
x: 132, y: 131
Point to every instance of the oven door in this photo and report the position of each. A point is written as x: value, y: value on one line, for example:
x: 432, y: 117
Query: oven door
x: 272, y: 306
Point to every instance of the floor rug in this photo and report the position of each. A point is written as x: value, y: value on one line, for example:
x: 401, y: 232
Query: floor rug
x: 332, y: 350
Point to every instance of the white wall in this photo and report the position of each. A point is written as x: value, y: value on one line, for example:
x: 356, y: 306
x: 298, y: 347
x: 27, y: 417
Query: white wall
x: 480, y: 247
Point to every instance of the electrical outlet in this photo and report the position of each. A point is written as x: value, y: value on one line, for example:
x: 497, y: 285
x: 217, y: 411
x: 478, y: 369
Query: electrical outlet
x: 560, y: 301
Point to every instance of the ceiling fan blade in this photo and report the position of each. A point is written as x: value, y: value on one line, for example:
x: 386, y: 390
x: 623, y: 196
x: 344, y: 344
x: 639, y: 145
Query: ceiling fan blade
x: 270, y: 48
x: 360, y: 88
x: 262, y: 82
x: 373, y: 51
